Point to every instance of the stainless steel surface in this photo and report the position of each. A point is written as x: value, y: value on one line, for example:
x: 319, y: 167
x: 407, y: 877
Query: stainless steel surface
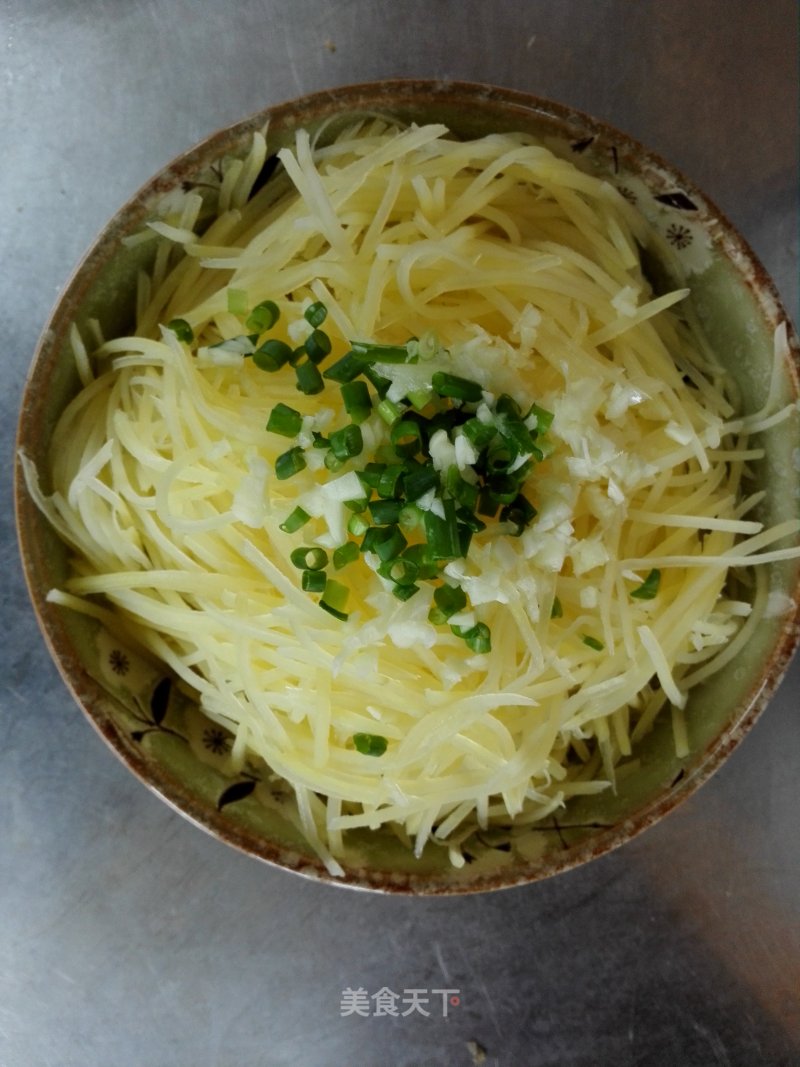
x: 129, y: 937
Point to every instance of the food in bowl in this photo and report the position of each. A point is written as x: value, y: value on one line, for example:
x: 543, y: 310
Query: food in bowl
x: 419, y: 479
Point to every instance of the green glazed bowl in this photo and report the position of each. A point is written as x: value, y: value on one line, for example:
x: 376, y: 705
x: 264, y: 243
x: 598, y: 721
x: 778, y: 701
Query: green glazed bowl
x: 167, y: 742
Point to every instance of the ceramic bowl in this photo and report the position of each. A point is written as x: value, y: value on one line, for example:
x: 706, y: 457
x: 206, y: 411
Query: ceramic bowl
x: 181, y: 755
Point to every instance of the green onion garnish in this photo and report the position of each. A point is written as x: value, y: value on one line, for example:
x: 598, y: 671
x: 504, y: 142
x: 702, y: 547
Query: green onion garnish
x: 389, y: 480
x: 345, y: 369
x: 406, y: 436
x: 405, y: 592
x: 556, y: 611
x: 347, y: 442
x: 357, y: 403
x: 400, y: 570
x: 285, y: 421
x: 544, y: 419
x: 442, y: 534
x: 376, y: 353
x: 520, y: 512
x: 335, y: 598
x: 290, y: 463
x: 391, y: 546
x: 385, y: 512
x: 309, y: 558
x: 478, y: 638
x: 313, y: 581
x: 182, y: 330
x: 451, y: 385
x: 318, y: 346
x: 295, y: 521
x: 263, y: 316
x: 344, y: 554
x: 649, y: 587
x: 370, y: 744
x: 419, y: 481
x: 447, y: 600
x: 592, y: 642
x: 309, y: 379
x: 357, y: 526
x: 480, y: 434
x: 389, y: 411
x: 315, y: 314
x: 272, y: 355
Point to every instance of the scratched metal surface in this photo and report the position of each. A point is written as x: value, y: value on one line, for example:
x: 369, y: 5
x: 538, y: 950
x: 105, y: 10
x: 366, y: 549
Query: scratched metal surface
x: 129, y: 937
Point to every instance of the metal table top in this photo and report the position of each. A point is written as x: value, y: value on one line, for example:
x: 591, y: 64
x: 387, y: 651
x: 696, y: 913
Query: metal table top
x: 129, y: 937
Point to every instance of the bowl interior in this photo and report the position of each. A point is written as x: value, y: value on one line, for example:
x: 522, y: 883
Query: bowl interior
x: 161, y: 734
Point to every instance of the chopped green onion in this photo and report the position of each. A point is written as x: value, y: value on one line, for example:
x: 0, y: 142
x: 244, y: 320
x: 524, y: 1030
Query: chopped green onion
x: 357, y: 526
x: 649, y: 587
x: 405, y: 592
x: 487, y: 505
x: 451, y: 385
x: 318, y: 346
x: 386, y: 512
x: 517, y: 434
x: 357, y: 506
x: 315, y: 314
x: 480, y: 434
x: 478, y: 638
x: 333, y: 462
x: 421, y: 555
x: 263, y: 316
x: 345, y: 369
x: 379, y: 383
x: 182, y: 330
x: 370, y: 744
x: 310, y: 559
x: 356, y: 399
x: 464, y: 492
x: 592, y: 642
x: 556, y: 611
x: 410, y: 517
x: 294, y: 521
x: 285, y: 421
x: 419, y: 481
x: 447, y: 600
x: 391, y: 546
x: 313, y: 581
x: 442, y: 534
x: 309, y: 379
x: 347, y: 442
x: 500, y: 456
x: 400, y: 570
x: 272, y: 355
x: 507, y: 405
x: 389, y: 411
x: 465, y: 516
x: 370, y: 476
x: 238, y: 301
x: 335, y: 598
x: 289, y: 463
x: 320, y: 441
x: 406, y: 436
x: 520, y: 512
x: 544, y: 419
x: 376, y: 353
x: 344, y: 554
x: 389, y: 480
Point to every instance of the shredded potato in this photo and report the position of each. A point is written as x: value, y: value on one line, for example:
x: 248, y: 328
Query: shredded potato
x: 527, y: 272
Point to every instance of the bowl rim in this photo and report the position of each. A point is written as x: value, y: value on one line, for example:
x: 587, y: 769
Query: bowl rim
x: 384, y: 95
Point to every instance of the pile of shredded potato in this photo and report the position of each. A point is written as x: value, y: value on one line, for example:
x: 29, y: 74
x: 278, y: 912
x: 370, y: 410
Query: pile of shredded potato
x: 527, y: 273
